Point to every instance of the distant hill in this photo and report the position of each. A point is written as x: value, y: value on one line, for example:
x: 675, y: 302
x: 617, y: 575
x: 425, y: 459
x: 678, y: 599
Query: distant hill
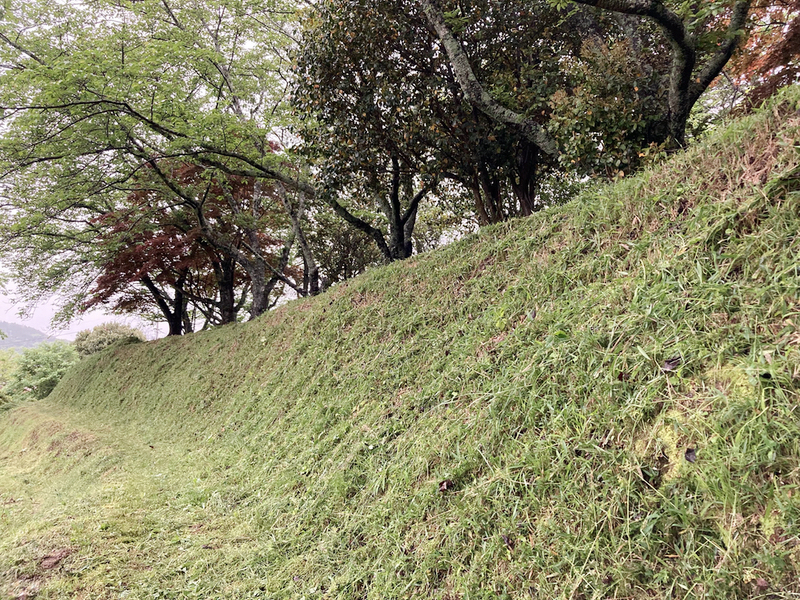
x: 20, y: 336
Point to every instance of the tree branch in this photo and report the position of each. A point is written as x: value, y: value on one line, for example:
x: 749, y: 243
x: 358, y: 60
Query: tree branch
x: 414, y: 204
x: 374, y: 233
x: 671, y: 23
x: 721, y: 57
x: 474, y: 91
x: 21, y: 49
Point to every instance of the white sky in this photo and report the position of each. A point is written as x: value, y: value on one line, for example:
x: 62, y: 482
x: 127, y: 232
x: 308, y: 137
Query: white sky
x: 40, y: 319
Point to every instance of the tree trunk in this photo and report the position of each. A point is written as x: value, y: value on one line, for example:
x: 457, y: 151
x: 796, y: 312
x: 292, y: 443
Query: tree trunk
x: 261, y: 292
x: 310, y: 268
x: 480, y: 209
x: 525, y: 184
x: 473, y: 90
x: 172, y: 309
x: 685, y: 85
x: 492, y: 196
x: 225, y: 272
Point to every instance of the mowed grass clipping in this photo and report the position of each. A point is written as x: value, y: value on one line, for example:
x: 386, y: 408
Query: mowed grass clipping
x: 600, y: 401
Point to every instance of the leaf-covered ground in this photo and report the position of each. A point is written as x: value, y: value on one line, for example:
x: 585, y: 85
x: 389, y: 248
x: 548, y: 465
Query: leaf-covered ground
x: 600, y: 401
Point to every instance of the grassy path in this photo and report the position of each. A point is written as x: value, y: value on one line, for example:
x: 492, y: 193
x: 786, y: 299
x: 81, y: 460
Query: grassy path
x: 90, y: 512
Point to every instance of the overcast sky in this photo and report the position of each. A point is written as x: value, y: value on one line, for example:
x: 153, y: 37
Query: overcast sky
x: 40, y: 320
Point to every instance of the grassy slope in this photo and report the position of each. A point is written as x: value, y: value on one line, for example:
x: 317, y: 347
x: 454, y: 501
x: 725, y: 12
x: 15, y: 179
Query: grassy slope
x: 550, y: 374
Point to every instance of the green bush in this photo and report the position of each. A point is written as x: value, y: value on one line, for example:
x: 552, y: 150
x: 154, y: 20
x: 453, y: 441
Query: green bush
x: 39, y: 369
x: 8, y: 362
x: 90, y: 341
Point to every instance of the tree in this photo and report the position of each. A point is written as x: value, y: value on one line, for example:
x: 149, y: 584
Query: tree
x: 360, y: 134
x: 8, y: 363
x: 388, y: 113
x: 475, y: 93
x: 157, y: 264
x: 40, y: 368
x: 94, y: 94
x: 598, y: 135
x: 700, y: 45
x: 771, y: 56
x: 210, y: 223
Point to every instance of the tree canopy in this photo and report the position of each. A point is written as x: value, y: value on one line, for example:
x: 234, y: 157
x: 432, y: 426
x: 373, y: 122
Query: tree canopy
x: 102, y: 99
x: 700, y: 38
x: 200, y: 160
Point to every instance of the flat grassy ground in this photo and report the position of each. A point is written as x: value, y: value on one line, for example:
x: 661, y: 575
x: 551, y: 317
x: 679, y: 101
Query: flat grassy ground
x: 600, y: 401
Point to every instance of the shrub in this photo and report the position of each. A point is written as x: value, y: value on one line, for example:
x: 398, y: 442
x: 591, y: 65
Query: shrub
x: 91, y: 341
x: 39, y: 369
x: 8, y: 362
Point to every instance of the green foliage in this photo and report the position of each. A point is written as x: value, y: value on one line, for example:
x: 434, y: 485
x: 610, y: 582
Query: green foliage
x: 39, y: 369
x: 342, y: 251
x: 91, y: 341
x: 598, y: 133
x: 108, y: 101
x: 371, y: 75
x: 697, y: 38
x: 8, y: 360
x: 117, y: 86
x: 8, y: 363
x: 600, y: 401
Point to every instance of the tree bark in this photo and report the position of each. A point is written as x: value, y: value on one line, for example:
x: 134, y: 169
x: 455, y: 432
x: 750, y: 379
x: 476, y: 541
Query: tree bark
x: 225, y: 274
x: 493, y: 199
x: 480, y: 208
x: 525, y: 184
x: 310, y: 268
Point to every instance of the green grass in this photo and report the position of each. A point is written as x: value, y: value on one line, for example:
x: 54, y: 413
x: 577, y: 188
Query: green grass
x: 509, y: 417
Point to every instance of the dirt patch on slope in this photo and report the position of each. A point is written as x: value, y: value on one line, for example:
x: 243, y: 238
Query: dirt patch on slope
x: 26, y: 586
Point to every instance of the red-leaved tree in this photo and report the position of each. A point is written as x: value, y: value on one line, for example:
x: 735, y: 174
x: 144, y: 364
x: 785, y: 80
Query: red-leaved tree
x: 770, y: 59
x: 194, y: 242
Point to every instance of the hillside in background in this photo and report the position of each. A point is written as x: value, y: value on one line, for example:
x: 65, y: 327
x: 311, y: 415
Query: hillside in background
x: 600, y: 401
x: 21, y: 336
